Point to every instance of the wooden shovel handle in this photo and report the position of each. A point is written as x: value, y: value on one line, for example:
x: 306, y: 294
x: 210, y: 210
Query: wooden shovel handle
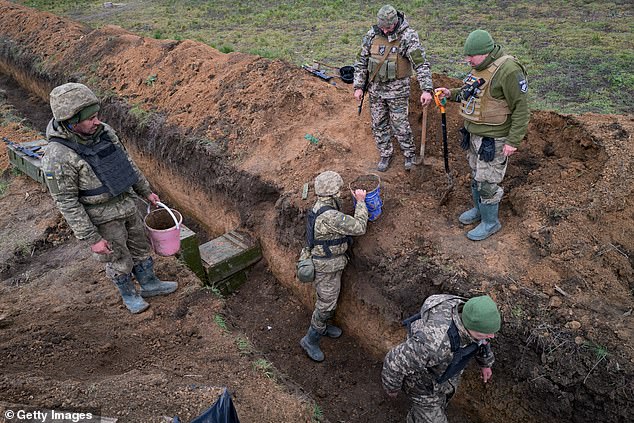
x: 423, y: 134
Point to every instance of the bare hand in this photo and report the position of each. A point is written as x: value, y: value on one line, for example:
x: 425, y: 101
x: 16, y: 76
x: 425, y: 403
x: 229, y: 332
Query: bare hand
x: 425, y: 98
x: 443, y: 92
x: 359, y: 194
x: 358, y: 93
x: 153, y: 198
x: 508, y: 150
x: 101, y: 247
x: 486, y: 375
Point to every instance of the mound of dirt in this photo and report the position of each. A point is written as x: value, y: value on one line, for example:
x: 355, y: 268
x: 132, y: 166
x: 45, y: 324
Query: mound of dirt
x: 224, y: 137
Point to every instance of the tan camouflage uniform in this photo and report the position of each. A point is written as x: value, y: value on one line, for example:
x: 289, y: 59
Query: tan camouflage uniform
x: 99, y: 216
x: 414, y: 365
x: 389, y: 101
x: 332, y: 224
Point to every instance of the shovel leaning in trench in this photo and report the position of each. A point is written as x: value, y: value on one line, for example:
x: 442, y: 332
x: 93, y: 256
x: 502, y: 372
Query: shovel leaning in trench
x: 445, y: 149
x: 420, y: 160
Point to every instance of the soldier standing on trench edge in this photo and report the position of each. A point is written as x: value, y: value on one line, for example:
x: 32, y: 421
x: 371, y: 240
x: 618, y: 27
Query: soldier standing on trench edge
x: 94, y: 183
x: 494, y: 105
x: 442, y: 339
x: 332, y: 233
x: 389, y: 51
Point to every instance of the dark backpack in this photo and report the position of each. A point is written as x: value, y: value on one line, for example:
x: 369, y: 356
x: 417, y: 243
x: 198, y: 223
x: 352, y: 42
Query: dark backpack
x: 310, y: 233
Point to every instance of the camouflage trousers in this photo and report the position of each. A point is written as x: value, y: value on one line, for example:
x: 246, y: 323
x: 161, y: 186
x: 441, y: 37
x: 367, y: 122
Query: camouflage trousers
x: 128, y: 242
x: 327, y: 286
x: 390, y: 117
x: 430, y: 408
x: 488, y: 174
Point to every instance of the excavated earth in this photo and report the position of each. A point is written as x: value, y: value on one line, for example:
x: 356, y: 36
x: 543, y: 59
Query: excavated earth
x: 222, y: 138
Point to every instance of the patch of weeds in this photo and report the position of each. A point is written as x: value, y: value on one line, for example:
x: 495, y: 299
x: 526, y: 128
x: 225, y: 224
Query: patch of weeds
x: 150, y: 80
x: 3, y: 187
x: 214, y: 290
x: 244, y: 345
x: 226, y: 49
x: 221, y: 322
x: 517, y: 312
x: 600, y: 352
x: 158, y: 34
x: 318, y: 414
x: 141, y: 115
x: 264, y: 366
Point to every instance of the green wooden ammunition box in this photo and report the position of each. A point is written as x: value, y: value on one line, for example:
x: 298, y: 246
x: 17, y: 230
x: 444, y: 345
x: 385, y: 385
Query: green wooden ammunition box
x: 226, y: 257
x: 30, y: 166
x: 190, y: 253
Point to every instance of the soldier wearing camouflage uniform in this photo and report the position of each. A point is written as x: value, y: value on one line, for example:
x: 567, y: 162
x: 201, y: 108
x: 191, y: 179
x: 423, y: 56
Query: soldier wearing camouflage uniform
x: 332, y: 230
x: 388, y: 53
x: 494, y: 104
x: 94, y: 183
x: 446, y: 336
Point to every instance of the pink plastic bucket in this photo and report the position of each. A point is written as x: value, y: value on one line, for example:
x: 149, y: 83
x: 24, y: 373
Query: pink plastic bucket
x: 164, y: 230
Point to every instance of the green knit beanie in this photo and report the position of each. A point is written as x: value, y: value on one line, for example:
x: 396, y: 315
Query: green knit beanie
x: 481, y: 315
x: 478, y: 42
x: 85, y: 113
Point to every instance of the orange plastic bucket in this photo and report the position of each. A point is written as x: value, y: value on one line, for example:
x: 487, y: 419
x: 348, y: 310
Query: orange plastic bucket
x: 163, y: 227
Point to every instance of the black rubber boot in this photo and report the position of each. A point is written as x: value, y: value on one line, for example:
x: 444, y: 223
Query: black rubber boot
x: 131, y: 298
x: 151, y: 285
x: 310, y: 344
x: 333, y: 331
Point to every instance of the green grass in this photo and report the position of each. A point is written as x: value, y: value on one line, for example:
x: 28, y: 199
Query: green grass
x: 3, y: 187
x: 221, y: 322
x: 264, y: 366
x: 578, y: 53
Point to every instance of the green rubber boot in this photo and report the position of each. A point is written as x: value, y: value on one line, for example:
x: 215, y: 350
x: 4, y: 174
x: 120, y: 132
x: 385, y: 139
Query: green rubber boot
x: 132, y: 300
x: 151, y: 286
x: 333, y: 331
x: 489, y: 224
x: 472, y: 215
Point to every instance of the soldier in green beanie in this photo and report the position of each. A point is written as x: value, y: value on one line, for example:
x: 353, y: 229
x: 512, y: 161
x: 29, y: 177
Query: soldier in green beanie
x: 390, y: 54
x: 442, y: 339
x: 94, y: 183
x: 494, y: 105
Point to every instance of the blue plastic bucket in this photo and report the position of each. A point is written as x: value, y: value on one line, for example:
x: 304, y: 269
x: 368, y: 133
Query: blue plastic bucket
x: 372, y: 184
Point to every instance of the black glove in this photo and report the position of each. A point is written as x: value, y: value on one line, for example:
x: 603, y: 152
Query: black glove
x: 466, y: 139
x: 487, y: 149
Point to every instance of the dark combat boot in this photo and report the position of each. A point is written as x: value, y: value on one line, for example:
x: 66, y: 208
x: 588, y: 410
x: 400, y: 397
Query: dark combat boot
x: 384, y: 163
x: 131, y: 298
x: 333, y: 331
x: 150, y: 284
x: 310, y: 344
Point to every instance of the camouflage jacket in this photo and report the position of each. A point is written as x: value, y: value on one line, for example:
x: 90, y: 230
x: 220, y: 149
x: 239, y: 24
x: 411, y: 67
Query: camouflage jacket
x: 67, y: 173
x: 333, y: 224
x: 415, y: 364
x: 409, y: 47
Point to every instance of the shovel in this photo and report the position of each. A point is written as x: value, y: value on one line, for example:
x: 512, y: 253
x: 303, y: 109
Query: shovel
x: 445, y: 150
x: 420, y: 160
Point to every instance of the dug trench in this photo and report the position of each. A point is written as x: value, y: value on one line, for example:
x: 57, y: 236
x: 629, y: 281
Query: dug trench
x: 221, y: 137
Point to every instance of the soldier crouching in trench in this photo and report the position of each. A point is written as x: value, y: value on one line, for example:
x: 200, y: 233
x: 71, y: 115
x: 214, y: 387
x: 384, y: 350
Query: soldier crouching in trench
x: 94, y: 182
x: 331, y: 233
x: 442, y: 339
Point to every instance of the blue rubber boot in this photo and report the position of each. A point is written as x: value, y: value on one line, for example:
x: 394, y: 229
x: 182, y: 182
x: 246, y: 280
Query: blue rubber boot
x: 333, y: 331
x: 151, y: 286
x: 310, y: 344
x: 472, y: 215
x: 489, y: 224
x: 131, y: 298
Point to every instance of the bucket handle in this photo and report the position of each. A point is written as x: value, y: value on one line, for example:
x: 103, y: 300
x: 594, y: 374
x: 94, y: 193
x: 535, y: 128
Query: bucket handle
x: 158, y: 203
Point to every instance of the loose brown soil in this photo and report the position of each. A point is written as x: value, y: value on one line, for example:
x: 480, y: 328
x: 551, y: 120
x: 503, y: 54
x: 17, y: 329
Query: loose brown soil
x: 222, y: 138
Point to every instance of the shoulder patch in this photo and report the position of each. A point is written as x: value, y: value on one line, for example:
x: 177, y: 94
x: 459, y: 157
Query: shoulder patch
x: 522, y: 82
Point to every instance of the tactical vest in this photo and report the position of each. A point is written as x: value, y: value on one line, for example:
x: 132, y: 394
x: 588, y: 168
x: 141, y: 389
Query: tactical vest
x: 326, y: 244
x: 395, y: 65
x: 461, y: 356
x: 109, y: 162
x: 482, y: 107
